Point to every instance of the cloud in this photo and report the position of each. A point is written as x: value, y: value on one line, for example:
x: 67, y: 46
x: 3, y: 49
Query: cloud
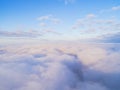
x: 44, y: 20
x: 115, y: 8
x: 47, y: 17
x: 61, y: 66
x: 30, y: 33
x: 69, y: 1
x: 110, y: 38
x: 55, y: 20
x: 91, y: 16
x: 43, y: 24
x: 93, y: 24
x: 49, y: 30
x: 84, y: 22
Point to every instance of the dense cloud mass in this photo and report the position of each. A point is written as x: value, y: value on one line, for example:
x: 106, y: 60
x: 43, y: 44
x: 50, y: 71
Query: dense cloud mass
x: 60, y: 67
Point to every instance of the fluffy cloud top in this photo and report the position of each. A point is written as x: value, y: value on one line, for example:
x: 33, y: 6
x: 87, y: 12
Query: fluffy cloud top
x: 60, y: 67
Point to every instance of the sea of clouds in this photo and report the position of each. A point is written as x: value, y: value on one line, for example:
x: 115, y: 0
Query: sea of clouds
x: 65, y: 66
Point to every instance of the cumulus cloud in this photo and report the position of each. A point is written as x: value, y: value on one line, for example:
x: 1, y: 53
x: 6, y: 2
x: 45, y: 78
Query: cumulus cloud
x: 66, y: 66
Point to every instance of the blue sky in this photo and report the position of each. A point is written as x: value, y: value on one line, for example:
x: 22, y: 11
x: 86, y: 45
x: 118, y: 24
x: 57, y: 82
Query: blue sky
x: 59, y: 19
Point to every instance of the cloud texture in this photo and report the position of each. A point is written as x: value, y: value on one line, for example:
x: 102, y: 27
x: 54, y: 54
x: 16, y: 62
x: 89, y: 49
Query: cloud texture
x: 30, y: 33
x: 60, y: 67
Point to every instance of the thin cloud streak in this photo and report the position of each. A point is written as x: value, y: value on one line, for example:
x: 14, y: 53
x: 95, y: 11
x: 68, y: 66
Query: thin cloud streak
x: 20, y: 33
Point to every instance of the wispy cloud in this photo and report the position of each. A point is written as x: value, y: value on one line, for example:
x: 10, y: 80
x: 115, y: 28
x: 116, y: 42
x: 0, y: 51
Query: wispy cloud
x: 69, y: 1
x: 84, y: 22
x: 48, y: 22
x: 47, y: 17
x: 115, y: 8
x: 42, y: 24
x: 93, y: 24
x: 110, y: 38
x: 90, y: 16
x: 44, y: 20
x: 50, y: 30
x: 30, y: 33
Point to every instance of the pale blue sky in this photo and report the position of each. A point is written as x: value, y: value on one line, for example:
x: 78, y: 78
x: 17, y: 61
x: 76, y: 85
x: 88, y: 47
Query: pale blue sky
x: 59, y: 19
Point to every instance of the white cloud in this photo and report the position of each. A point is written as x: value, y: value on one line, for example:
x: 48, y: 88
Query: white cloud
x: 69, y: 1
x: 55, y: 20
x: 93, y: 24
x: 47, y: 22
x: 115, y: 8
x: 66, y: 66
x: 30, y: 33
x: 110, y: 38
x: 50, y: 30
x: 48, y: 18
x: 42, y: 24
x: 91, y: 16
x: 84, y: 22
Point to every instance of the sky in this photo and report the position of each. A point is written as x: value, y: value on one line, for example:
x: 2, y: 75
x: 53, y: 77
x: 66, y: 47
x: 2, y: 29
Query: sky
x: 41, y: 45
x: 60, y: 19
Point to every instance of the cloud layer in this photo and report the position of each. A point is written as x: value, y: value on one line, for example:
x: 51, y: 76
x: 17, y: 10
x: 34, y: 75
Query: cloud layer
x: 60, y: 67
x: 30, y: 33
